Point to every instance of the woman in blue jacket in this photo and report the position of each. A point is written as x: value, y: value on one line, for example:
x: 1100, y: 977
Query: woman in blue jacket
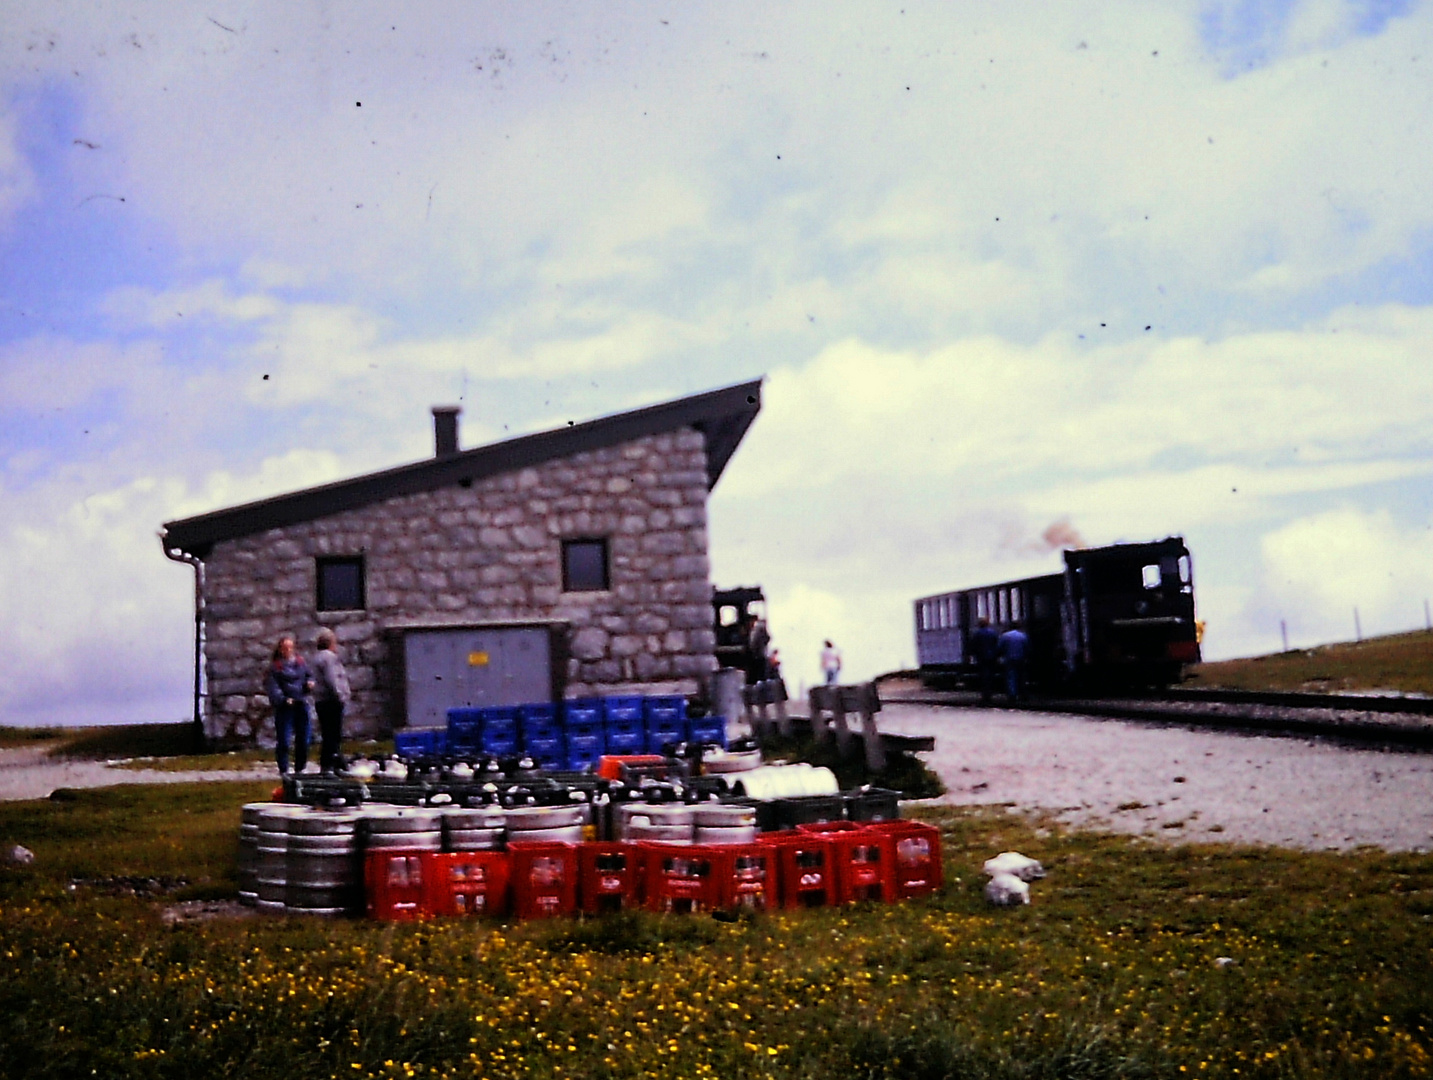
x: 288, y: 685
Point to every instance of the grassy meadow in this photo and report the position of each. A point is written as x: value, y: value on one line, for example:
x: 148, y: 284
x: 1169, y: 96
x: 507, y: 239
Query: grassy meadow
x: 1114, y: 970
x: 1398, y: 662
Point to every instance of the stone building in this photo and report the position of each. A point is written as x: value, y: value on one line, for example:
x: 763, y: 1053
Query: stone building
x: 595, y: 531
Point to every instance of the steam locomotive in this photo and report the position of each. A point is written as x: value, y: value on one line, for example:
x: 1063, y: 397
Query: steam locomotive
x: 1117, y: 617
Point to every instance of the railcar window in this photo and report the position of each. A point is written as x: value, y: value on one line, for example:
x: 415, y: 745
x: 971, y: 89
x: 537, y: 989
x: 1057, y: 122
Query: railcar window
x: 1004, y: 605
x: 1184, y: 569
x: 981, y: 610
x: 1151, y: 576
x: 1015, y: 605
x: 920, y: 616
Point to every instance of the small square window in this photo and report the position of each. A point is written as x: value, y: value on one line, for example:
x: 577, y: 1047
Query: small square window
x: 584, y: 566
x: 340, y: 583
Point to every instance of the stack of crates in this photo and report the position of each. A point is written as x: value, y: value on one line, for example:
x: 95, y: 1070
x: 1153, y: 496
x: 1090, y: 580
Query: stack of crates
x: 499, y: 736
x: 585, y: 730
x: 465, y: 725
x: 818, y: 865
x: 623, y: 729
x: 542, y: 738
x: 665, y: 719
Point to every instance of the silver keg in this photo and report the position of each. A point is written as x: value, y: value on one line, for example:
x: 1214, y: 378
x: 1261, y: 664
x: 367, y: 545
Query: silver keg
x: 410, y: 828
x: 561, y: 824
x: 325, y: 870
x: 725, y: 823
x: 670, y: 823
x: 271, y: 876
x: 248, y: 865
x: 478, y: 829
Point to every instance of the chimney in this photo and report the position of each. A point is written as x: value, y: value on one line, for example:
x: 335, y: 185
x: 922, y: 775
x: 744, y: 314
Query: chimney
x: 445, y: 429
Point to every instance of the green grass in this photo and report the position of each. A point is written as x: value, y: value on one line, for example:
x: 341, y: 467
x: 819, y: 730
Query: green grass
x: 12, y: 737
x: 1110, y: 972
x: 1399, y: 662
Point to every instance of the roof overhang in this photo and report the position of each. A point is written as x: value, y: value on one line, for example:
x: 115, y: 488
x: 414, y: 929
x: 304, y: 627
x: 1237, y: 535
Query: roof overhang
x: 721, y: 415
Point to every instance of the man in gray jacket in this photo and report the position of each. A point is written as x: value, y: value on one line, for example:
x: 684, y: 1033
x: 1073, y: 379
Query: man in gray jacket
x: 330, y: 695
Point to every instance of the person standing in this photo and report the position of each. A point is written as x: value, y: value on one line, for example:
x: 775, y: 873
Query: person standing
x: 331, y: 695
x: 831, y: 663
x: 985, y: 648
x: 288, y: 684
x: 1013, y: 647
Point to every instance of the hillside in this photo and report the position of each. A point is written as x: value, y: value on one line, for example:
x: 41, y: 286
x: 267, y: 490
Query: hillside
x: 1399, y: 663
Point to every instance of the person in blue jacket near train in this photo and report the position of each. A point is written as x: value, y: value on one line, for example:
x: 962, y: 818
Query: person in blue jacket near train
x: 1013, y: 647
x: 289, y: 684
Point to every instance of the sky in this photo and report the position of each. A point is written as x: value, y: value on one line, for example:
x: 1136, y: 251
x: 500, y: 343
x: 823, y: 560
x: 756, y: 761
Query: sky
x: 1012, y: 272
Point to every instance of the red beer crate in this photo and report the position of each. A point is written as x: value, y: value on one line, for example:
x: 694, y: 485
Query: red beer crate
x: 393, y: 884
x: 544, y: 878
x: 467, y: 883
x: 804, y: 867
x: 863, y: 860
x: 914, y: 851
x: 681, y: 877
x: 748, y: 877
x: 609, y: 877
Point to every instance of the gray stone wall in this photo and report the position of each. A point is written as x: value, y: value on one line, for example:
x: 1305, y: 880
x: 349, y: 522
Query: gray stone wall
x: 486, y: 552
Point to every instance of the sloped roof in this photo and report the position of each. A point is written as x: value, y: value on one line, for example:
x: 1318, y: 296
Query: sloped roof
x: 721, y: 415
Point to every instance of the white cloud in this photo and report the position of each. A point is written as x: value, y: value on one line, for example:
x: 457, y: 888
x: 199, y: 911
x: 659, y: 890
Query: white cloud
x: 1320, y: 568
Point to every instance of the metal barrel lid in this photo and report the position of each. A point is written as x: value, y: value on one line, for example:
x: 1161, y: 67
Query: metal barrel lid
x: 531, y: 818
x: 427, y: 840
x: 475, y: 839
x: 481, y: 817
x: 565, y: 834
x: 324, y: 823
x: 401, y: 819
x: 735, y: 834
x: 723, y: 815
x: 656, y: 813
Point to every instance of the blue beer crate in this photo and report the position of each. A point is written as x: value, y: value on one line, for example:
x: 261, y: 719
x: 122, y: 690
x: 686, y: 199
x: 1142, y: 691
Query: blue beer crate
x: 583, y: 753
x: 499, y: 718
x: 464, y: 726
x: 708, y: 729
x: 624, y: 737
x: 622, y: 709
x: 581, y: 713
x: 499, y: 743
x: 419, y: 742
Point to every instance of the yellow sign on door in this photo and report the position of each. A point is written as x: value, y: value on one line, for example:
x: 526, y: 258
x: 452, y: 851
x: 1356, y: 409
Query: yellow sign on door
x: 477, y: 659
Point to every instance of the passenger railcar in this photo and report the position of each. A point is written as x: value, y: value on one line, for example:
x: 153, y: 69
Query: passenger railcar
x: 1121, y: 615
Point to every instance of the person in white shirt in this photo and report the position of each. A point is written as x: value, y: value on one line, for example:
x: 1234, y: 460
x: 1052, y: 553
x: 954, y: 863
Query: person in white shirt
x: 831, y: 663
x: 330, y: 696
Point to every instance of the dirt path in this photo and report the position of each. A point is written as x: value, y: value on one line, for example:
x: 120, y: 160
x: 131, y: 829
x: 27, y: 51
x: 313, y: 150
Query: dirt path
x: 1178, y: 783
x: 29, y: 773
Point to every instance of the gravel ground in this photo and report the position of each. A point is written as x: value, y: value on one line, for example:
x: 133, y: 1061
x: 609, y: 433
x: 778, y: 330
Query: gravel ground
x: 27, y: 773
x: 1158, y: 779
x: 1177, y: 783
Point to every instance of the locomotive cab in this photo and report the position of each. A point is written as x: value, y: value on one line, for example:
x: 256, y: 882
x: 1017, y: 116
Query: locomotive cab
x: 1132, y: 606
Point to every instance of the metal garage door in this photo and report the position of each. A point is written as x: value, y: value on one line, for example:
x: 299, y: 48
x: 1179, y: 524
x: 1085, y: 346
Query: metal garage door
x: 477, y: 665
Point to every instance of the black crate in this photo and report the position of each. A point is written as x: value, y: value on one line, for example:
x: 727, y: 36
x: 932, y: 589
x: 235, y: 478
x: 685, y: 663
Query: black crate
x: 777, y: 814
x: 873, y: 804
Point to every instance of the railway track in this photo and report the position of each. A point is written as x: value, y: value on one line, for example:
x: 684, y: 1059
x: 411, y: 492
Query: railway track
x: 1390, y: 720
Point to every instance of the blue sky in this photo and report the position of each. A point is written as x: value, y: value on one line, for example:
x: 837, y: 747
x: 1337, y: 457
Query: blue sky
x: 1144, y: 268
